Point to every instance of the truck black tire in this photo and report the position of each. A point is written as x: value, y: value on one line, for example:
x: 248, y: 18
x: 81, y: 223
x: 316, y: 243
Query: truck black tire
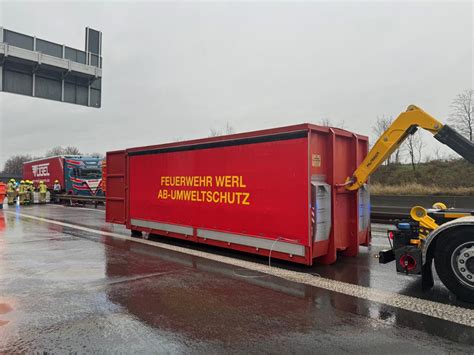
x: 454, y: 261
x: 136, y: 234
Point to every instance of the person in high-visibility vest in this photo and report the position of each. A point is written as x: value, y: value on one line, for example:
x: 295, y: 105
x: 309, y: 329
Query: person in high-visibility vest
x: 32, y: 192
x: 3, y: 193
x: 27, y: 200
x: 42, y: 192
x: 26, y: 192
x: 22, y: 191
x: 11, y: 191
x: 16, y: 185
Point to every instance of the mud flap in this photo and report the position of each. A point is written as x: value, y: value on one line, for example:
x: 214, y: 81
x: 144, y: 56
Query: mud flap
x: 427, y: 281
x: 386, y: 256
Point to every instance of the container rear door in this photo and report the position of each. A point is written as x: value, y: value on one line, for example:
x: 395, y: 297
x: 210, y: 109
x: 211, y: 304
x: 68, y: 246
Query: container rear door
x: 115, y: 207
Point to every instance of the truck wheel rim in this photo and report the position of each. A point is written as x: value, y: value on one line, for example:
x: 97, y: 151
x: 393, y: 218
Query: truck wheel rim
x: 462, y: 261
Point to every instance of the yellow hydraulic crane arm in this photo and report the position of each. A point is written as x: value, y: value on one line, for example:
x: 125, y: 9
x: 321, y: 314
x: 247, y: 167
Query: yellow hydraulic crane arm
x: 405, y: 124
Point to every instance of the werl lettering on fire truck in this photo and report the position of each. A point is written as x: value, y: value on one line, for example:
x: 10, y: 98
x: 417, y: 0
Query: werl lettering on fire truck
x: 176, y: 188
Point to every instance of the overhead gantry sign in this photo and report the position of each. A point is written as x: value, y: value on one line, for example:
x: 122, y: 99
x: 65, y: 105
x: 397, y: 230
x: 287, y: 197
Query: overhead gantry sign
x: 36, y: 67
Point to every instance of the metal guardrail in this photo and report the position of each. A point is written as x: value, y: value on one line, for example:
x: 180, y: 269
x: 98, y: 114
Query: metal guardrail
x: 379, y: 214
x: 385, y: 216
x: 6, y: 177
x: 95, y: 200
x: 407, y: 202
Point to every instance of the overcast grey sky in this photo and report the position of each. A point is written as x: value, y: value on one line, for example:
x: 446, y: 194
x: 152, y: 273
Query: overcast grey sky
x: 173, y: 70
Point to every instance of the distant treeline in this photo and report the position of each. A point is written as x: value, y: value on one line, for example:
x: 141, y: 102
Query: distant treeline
x: 455, y: 177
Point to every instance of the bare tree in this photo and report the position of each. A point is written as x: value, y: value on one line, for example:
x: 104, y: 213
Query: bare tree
x: 214, y: 132
x: 228, y: 129
x: 438, y: 155
x: 341, y: 124
x: 54, y: 151
x: 414, y: 145
x: 327, y: 122
x: 462, y: 114
x: 381, y: 125
x: 72, y: 151
x: 63, y: 151
x: 14, y: 164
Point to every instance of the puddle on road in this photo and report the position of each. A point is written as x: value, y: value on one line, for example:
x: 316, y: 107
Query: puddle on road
x: 4, y: 309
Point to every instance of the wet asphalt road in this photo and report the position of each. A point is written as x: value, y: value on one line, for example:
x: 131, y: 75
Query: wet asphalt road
x: 63, y: 289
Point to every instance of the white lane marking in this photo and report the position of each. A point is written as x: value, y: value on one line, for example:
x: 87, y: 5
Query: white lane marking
x: 38, y: 240
x: 443, y: 311
x: 79, y: 208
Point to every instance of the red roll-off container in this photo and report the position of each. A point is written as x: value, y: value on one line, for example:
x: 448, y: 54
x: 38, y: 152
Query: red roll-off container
x: 272, y: 191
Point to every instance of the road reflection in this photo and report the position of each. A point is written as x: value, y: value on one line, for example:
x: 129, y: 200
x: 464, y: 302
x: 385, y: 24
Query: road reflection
x: 208, y: 300
x: 2, y: 222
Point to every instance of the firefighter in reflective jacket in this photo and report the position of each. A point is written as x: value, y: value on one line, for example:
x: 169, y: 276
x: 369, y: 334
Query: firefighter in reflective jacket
x: 28, y: 192
x: 11, y: 192
x: 42, y: 192
x: 32, y: 192
x: 22, y: 191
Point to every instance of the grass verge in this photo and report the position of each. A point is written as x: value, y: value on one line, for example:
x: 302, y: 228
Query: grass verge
x: 419, y: 189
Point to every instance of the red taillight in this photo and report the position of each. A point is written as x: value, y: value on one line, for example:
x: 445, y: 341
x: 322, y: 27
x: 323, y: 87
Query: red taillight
x: 407, y: 262
x: 390, y: 235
